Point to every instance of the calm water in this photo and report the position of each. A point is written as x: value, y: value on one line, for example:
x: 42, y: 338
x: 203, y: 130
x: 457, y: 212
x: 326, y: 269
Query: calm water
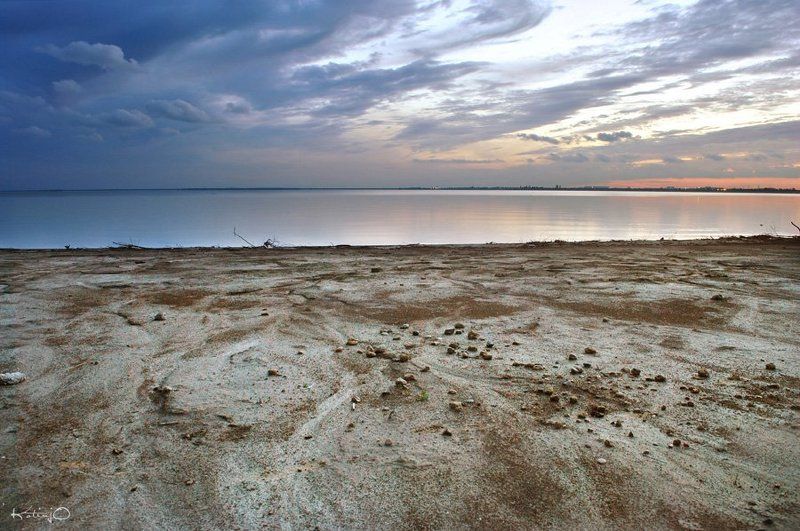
x: 187, y: 218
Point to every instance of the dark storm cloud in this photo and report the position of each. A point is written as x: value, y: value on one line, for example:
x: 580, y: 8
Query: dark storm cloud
x: 538, y: 138
x: 127, y: 118
x: 615, y: 136
x: 179, y: 110
x: 105, y: 56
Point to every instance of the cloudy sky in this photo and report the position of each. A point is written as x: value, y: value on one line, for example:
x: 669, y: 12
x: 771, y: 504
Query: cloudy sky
x: 399, y: 93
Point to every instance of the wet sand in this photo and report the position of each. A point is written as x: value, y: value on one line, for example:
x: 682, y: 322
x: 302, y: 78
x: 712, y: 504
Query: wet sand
x: 609, y: 385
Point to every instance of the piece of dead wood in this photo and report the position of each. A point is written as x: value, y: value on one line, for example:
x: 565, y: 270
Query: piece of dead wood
x: 242, y: 238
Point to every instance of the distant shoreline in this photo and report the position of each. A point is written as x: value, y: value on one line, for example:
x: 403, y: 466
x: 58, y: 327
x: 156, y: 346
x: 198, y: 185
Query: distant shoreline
x: 752, y: 238
x: 703, y: 189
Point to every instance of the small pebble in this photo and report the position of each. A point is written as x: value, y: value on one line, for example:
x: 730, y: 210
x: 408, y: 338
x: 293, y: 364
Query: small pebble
x: 12, y: 378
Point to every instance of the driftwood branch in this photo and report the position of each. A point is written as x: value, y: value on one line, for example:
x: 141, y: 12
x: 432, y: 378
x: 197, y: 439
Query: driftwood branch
x: 795, y: 225
x: 242, y: 238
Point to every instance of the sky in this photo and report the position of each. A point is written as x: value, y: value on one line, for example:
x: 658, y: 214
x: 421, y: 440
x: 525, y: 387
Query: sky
x: 375, y: 93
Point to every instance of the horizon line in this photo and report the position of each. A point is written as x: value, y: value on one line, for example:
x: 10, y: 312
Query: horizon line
x: 708, y: 188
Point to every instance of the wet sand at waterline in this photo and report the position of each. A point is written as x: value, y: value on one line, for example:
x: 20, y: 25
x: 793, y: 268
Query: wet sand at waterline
x: 592, y: 386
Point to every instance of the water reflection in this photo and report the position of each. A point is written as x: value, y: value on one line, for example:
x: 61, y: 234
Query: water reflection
x: 368, y: 217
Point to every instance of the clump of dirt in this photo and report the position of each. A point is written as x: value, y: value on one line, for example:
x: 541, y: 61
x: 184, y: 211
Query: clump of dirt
x: 234, y: 304
x: 673, y: 312
x: 180, y: 298
x: 462, y: 306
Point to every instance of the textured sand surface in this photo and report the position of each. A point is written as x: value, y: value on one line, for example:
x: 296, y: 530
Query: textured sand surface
x: 245, y: 408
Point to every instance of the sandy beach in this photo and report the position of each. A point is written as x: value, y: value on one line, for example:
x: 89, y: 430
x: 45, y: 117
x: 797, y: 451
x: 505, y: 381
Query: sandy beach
x: 543, y: 386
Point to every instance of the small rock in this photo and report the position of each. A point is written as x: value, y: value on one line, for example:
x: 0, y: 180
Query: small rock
x: 351, y: 341
x: 770, y: 366
x: 12, y: 378
x: 718, y: 297
x: 189, y: 482
x: 447, y: 433
x: 660, y: 378
x: 273, y: 372
x: 702, y: 373
x: 589, y: 350
x: 158, y: 317
x: 426, y: 368
x: 608, y: 444
x: 472, y: 335
x: 401, y: 382
x: 635, y: 373
x: 451, y: 391
x: 449, y: 331
x: 405, y: 326
x: 601, y: 461
x: 375, y: 270
x: 485, y: 355
x: 597, y: 411
x: 456, y: 406
x: 388, y: 442
x: 572, y: 357
x: 409, y: 377
x: 458, y: 326
x: 676, y: 443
